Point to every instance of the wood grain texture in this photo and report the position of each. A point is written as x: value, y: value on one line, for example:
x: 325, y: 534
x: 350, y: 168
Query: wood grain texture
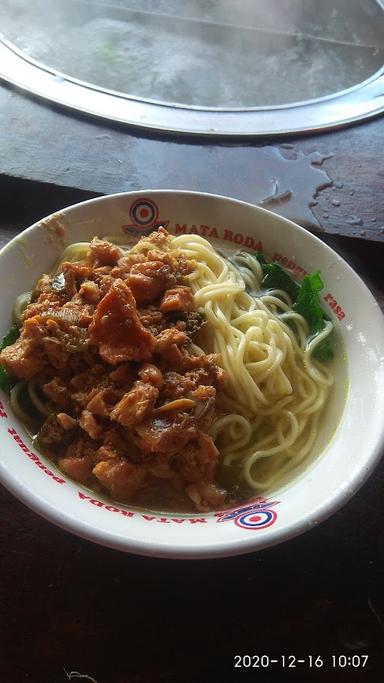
x: 47, y: 144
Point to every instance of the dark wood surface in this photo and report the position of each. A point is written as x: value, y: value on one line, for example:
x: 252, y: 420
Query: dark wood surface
x: 47, y: 144
x: 67, y: 605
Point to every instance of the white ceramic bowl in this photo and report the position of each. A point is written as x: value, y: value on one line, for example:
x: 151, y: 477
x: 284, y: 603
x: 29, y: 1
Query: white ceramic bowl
x: 352, y: 438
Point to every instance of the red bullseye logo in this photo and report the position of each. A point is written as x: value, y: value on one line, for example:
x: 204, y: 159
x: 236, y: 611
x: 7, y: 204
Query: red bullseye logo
x: 143, y: 212
x: 251, y: 521
x: 257, y: 515
x: 144, y: 217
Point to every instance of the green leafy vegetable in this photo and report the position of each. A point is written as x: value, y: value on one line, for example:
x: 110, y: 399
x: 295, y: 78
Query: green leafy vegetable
x: 307, y: 304
x: 323, y: 351
x: 277, y: 278
x: 305, y: 300
x: 259, y: 256
x: 7, y: 382
x: 10, y: 337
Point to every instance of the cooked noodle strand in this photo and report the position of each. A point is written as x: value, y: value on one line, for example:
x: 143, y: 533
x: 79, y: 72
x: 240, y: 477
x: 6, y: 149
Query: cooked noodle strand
x: 269, y: 413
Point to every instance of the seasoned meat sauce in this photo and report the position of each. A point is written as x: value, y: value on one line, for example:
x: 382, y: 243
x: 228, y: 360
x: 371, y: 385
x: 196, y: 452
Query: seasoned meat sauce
x: 108, y: 344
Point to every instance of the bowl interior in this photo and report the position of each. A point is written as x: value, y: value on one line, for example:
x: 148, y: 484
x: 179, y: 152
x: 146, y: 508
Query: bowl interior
x: 351, y: 437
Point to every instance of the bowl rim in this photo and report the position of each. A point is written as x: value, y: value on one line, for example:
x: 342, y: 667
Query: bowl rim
x: 209, y: 549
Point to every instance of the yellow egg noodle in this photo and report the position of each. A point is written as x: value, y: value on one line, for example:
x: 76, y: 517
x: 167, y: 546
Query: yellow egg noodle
x: 271, y: 407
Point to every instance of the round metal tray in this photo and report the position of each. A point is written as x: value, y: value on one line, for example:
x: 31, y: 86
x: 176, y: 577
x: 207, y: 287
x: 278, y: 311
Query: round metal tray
x: 359, y: 102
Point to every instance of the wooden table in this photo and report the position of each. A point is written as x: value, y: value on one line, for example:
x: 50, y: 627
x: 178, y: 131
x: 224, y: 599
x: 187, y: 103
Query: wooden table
x: 68, y: 605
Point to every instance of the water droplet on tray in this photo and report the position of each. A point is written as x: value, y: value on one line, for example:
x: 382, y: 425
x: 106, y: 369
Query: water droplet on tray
x: 354, y: 220
x: 335, y: 202
x: 289, y: 186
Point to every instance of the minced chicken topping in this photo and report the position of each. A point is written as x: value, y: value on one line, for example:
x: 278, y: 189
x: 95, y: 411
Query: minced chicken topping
x: 107, y: 343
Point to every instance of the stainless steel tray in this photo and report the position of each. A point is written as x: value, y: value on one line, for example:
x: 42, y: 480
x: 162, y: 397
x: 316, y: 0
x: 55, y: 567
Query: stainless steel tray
x: 206, y: 67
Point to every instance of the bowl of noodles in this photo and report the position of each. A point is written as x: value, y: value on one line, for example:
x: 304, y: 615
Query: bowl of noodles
x: 185, y: 375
